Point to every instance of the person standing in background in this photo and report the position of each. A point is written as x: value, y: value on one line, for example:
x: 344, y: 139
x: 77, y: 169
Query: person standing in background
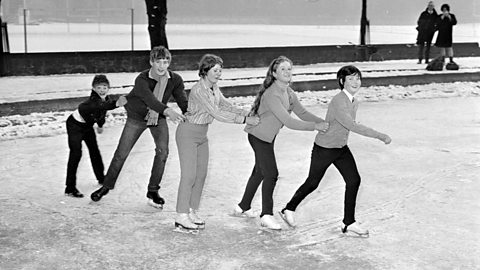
x: 157, y: 20
x: 445, y: 23
x: 426, y: 29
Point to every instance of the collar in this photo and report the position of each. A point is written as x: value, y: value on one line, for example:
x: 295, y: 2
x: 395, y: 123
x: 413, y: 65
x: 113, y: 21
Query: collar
x: 350, y: 97
x: 153, y: 75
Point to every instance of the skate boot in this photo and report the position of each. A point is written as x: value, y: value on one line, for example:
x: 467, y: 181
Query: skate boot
x: 97, y: 195
x: 196, y: 219
x: 238, y: 212
x: 269, y: 222
x: 155, y: 200
x: 354, y: 229
x: 73, y: 192
x: 183, y: 224
x: 289, y: 217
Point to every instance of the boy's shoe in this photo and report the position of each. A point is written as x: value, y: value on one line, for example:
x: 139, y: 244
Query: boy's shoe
x: 183, y: 224
x: 289, y: 217
x: 354, y: 229
x: 73, y: 192
x: 97, y: 195
x: 196, y: 219
x: 238, y: 212
x: 269, y: 222
x: 155, y: 200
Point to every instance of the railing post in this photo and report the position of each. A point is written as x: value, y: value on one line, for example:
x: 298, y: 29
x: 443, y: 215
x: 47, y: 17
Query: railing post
x: 132, y: 28
x: 25, y: 28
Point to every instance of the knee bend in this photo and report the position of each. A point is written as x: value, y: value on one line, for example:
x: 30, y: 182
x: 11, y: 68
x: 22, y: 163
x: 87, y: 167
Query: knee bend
x: 162, y: 152
x: 354, y: 182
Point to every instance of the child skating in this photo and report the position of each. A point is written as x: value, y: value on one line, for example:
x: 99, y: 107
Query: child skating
x: 331, y: 148
x: 80, y: 128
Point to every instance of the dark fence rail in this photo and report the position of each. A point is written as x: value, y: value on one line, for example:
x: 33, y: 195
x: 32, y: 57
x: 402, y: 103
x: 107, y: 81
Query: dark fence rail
x: 19, y: 64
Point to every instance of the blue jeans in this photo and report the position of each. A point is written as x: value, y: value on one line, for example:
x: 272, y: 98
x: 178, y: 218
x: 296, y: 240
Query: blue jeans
x: 131, y: 132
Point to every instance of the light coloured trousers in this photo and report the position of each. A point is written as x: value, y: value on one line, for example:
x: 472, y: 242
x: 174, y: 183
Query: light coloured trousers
x: 192, y: 144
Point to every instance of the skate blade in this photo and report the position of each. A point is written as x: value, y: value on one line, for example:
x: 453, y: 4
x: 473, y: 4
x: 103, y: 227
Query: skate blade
x: 282, y: 215
x: 155, y: 205
x: 201, y: 226
x: 240, y: 215
x: 181, y: 229
x: 265, y: 227
x: 356, y: 235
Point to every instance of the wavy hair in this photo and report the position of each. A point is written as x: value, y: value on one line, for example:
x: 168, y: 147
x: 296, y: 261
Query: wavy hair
x: 269, y: 80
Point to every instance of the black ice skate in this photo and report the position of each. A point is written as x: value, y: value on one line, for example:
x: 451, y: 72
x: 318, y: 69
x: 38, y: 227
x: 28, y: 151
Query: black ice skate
x: 97, y: 195
x: 73, y: 192
x: 155, y: 200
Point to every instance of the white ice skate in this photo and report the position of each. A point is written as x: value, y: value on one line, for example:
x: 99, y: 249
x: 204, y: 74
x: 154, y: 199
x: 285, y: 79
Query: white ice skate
x: 289, y: 217
x: 196, y: 219
x: 238, y: 212
x: 183, y: 224
x: 354, y: 229
x: 269, y: 222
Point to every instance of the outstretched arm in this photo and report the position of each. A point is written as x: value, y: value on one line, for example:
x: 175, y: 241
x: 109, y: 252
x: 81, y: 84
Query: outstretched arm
x: 303, y: 113
x: 203, y: 98
x: 274, y: 103
x: 343, y: 116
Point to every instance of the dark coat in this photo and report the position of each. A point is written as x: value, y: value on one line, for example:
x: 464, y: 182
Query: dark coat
x: 426, y: 26
x: 141, y: 98
x: 445, y: 29
x: 94, y: 109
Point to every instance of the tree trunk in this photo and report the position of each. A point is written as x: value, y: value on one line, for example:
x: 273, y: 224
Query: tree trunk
x: 157, y: 19
x: 363, y: 22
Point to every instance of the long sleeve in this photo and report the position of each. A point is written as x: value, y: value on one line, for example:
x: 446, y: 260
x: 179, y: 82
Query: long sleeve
x: 180, y: 95
x: 343, y: 116
x: 227, y: 106
x: 145, y: 94
x: 275, y: 105
x: 206, y: 101
x: 302, y: 113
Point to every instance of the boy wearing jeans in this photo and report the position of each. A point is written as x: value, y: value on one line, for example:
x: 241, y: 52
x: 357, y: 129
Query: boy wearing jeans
x: 331, y: 148
x: 147, y: 109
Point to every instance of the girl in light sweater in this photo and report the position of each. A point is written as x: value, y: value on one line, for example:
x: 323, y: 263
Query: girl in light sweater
x: 273, y: 104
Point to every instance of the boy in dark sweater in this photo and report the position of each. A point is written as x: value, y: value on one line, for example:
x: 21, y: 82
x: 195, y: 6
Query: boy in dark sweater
x: 147, y: 109
x: 331, y: 148
x: 80, y: 128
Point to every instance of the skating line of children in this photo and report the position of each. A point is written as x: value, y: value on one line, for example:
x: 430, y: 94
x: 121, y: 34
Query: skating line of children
x: 146, y: 107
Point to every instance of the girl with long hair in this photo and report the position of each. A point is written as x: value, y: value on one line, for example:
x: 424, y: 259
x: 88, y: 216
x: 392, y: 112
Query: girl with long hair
x: 273, y: 105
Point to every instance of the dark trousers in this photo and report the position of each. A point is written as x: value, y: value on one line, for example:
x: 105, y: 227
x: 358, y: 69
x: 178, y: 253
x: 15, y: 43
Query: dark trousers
x: 421, y: 47
x: 321, y: 159
x: 78, y: 132
x: 130, y: 134
x: 157, y: 33
x: 265, y: 170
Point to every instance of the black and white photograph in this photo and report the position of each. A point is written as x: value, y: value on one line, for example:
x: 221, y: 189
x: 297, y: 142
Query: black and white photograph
x: 239, y: 134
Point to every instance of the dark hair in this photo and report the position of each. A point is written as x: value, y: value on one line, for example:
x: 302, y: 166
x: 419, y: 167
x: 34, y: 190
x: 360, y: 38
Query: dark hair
x: 269, y: 79
x: 445, y: 6
x: 347, y: 71
x: 207, y: 62
x: 98, y: 79
x: 160, y: 52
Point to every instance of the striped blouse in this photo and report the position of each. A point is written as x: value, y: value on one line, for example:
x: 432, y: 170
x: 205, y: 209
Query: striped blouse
x: 205, y: 104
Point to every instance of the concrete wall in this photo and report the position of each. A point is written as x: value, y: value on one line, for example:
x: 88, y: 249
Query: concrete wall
x: 18, y: 64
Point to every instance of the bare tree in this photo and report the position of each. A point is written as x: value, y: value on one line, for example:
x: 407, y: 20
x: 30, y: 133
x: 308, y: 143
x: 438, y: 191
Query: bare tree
x: 157, y: 19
